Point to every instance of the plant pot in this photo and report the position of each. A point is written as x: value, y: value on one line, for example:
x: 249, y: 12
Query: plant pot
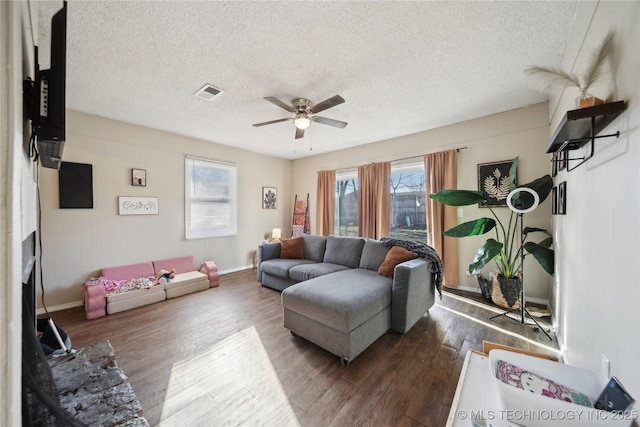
x: 505, y: 292
x: 587, y: 100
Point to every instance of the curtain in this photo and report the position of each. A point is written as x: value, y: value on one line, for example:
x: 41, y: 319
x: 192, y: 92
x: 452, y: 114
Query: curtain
x: 441, y: 172
x: 374, y: 200
x: 325, y: 202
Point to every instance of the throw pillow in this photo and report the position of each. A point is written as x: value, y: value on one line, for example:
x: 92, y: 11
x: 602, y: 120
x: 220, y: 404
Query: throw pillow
x: 520, y: 378
x: 395, y: 256
x: 291, y: 248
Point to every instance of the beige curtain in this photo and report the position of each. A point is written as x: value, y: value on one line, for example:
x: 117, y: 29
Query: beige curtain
x: 441, y: 172
x: 325, y: 202
x: 374, y: 200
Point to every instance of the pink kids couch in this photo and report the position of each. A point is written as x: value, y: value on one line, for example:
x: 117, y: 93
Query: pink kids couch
x: 186, y: 280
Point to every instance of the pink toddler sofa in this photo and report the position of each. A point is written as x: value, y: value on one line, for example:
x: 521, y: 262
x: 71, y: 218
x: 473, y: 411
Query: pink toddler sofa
x: 187, y: 280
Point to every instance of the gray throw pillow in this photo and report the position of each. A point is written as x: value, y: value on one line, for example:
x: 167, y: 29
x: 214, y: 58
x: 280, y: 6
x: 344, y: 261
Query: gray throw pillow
x: 313, y: 247
x: 373, y: 254
x: 344, y: 251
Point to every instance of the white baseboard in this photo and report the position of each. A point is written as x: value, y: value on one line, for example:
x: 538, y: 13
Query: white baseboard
x: 542, y: 301
x: 66, y: 306
x: 75, y: 304
x: 234, y: 270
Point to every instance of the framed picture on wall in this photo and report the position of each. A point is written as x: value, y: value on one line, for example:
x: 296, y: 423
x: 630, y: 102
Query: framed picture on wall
x: 562, y: 198
x: 493, y: 181
x: 269, y: 198
x: 139, y: 177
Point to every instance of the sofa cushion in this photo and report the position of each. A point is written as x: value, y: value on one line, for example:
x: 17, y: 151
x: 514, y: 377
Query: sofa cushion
x: 186, y: 283
x: 180, y: 265
x: 280, y: 267
x: 186, y: 278
x: 373, y: 254
x: 314, y: 247
x: 395, y: 256
x: 291, y: 248
x: 343, y: 300
x: 310, y: 271
x: 122, y: 296
x: 344, y: 251
x: 128, y: 272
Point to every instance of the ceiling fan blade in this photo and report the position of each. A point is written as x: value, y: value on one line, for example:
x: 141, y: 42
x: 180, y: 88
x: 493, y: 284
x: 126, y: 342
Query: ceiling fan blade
x: 330, y: 122
x: 327, y: 103
x: 270, y: 122
x: 280, y: 104
x: 299, y: 133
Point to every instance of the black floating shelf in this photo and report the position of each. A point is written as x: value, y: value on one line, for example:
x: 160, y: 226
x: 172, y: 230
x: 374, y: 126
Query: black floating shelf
x: 583, y: 125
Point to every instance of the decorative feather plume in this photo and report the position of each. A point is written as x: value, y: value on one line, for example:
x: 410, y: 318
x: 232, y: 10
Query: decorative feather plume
x: 550, y: 77
x: 595, y: 69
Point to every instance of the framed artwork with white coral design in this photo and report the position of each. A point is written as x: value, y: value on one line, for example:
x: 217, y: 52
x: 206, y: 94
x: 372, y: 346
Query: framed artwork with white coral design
x: 493, y: 181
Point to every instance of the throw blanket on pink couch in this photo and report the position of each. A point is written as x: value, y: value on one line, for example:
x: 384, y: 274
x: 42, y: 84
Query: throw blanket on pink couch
x: 119, y: 286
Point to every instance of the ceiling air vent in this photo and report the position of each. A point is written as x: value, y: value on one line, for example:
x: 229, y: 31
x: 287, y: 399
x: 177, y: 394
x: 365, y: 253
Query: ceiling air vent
x: 208, y: 92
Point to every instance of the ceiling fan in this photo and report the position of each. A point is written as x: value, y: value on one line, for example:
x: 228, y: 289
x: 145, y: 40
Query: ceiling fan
x: 304, y: 112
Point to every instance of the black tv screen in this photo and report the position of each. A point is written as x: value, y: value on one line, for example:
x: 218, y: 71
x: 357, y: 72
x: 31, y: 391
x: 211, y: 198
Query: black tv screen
x: 53, y: 82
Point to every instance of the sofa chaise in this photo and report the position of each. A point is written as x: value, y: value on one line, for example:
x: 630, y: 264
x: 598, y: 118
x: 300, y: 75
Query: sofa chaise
x: 343, y: 293
x: 180, y: 278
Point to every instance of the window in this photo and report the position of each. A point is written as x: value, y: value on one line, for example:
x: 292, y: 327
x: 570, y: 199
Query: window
x: 210, y: 199
x: 408, y: 216
x: 346, y: 219
x: 407, y: 219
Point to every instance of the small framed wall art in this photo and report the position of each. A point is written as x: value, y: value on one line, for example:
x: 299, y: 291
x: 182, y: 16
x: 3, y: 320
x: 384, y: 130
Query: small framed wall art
x: 562, y: 198
x: 269, y: 198
x: 137, y: 205
x: 139, y: 177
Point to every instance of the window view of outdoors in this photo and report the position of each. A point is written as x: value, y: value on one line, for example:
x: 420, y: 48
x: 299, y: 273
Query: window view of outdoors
x: 408, y: 216
x: 346, y: 219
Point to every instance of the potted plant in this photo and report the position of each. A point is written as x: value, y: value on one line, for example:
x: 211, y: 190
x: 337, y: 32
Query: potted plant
x: 549, y: 77
x: 506, y: 248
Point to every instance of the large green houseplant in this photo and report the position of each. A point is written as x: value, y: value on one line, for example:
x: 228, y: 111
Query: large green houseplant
x: 506, y: 248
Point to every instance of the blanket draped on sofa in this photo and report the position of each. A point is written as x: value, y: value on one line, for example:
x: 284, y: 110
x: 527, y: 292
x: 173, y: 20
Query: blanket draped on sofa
x: 424, y: 251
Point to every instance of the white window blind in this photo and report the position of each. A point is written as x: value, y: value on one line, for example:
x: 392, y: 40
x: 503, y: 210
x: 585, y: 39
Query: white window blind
x: 210, y: 198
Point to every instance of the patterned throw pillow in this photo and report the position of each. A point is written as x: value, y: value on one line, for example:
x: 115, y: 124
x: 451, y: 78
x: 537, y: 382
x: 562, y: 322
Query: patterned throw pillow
x: 395, y: 256
x: 518, y: 377
x: 291, y: 248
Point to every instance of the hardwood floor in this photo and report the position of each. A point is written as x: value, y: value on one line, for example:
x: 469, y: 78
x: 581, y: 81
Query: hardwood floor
x: 222, y: 357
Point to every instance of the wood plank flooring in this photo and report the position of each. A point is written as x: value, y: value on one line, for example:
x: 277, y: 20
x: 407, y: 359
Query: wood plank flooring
x: 222, y: 357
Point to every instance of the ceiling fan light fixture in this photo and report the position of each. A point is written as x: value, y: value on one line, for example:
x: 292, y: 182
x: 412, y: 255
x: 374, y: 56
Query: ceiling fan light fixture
x: 302, y: 121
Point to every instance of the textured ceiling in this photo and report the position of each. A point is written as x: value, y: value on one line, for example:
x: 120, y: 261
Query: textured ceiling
x: 402, y: 67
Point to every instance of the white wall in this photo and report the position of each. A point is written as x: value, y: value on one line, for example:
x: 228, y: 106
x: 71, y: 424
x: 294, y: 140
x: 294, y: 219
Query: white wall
x: 79, y: 242
x: 596, y: 292
x: 17, y: 196
x: 523, y: 132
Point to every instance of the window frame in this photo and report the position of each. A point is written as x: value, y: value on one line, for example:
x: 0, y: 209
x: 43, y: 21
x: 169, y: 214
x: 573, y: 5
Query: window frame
x: 231, y: 229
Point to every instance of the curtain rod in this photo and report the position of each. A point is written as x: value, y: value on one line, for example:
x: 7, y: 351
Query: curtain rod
x: 394, y: 160
x: 422, y: 155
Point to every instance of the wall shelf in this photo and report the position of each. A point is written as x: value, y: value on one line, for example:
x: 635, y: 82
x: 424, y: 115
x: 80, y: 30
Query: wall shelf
x: 579, y: 127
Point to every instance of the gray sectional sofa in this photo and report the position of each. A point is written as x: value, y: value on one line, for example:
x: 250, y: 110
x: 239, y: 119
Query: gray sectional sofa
x: 335, y: 297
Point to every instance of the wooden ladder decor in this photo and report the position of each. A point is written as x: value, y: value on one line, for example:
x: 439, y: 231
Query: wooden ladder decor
x: 301, y: 223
